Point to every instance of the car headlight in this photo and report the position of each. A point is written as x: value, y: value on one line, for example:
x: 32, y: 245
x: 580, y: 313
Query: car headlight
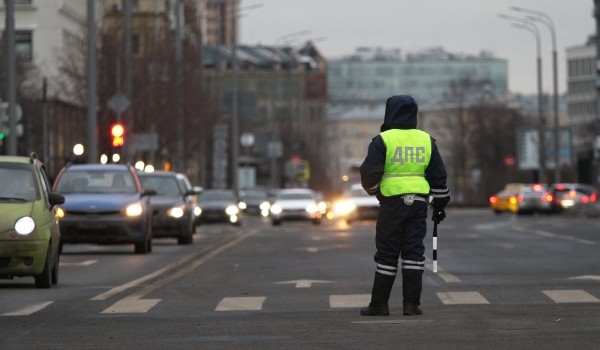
x: 242, y: 205
x: 134, y: 209
x: 311, y: 208
x: 60, y: 213
x: 344, y: 207
x: 197, y: 211
x: 176, y: 212
x: 25, y: 225
x: 276, y: 209
x: 232, y: 210
x: 265, y: 206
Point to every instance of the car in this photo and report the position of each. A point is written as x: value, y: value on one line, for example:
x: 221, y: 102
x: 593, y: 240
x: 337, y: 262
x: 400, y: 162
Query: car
x: 219, y: 205
x: 357, y: 204
x: 29, y: 229
x: 105, y: 204
x: 173, y: 205
x: 572, y: 196
x: 255, y: 202
x: 522, y: 198
x: 295, y: 204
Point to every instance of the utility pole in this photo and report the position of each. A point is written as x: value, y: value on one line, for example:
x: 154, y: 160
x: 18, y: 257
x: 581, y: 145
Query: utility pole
x: 9, y: 38
x: 180, y: 119
x: 234, y: 106
x: 91, y: 88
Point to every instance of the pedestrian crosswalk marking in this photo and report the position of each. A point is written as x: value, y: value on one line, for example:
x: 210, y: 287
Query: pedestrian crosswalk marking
x: 348, y: 301
x: 456, y: 298
x: 26, y: 311
x: 131, y: 306
x: 571, y: 296
x: 241, y: 304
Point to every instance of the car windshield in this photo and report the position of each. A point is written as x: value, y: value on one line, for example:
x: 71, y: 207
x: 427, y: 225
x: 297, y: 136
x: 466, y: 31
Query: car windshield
x: 254, y: 196
x: 96, y: 181
x: 18, y: 183
x: 295, y: 195
x: 216, y: 196
x: 163, y: 185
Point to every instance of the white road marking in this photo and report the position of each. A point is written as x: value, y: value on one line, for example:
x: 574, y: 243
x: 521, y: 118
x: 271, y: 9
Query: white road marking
x: 349, y: 301
x: 571, y: 296
x: 459, y: 298
x: 29, y: 310
x: 587, y: 277
x: 303, y: 283
x: 131, y: 306
x: 185, y: 265
x: 241, y: 304
x: 81, y: 263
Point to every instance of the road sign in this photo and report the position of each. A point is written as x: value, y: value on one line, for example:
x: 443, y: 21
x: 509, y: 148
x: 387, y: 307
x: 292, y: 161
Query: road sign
x: 118, y: 103
x: 4, y: 113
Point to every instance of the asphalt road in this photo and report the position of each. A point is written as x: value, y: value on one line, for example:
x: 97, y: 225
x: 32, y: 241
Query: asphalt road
x: 504, y: 282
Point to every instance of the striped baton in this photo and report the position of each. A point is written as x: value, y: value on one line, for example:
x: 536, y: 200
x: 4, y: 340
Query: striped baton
x: 435, y: 246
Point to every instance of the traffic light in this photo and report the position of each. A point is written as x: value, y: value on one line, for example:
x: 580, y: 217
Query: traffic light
x: 117, y: 132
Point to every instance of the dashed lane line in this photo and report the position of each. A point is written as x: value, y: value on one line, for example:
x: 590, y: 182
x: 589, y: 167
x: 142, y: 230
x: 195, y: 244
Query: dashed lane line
x: 26, y: 311
x: 571, y: 296
x: 241, y: 304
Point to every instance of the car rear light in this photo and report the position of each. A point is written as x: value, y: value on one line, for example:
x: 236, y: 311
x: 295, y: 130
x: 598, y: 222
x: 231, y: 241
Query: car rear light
x: 593, y: 197
x: 585, y: 200
x: 547, y: 198
x: 560, y: 187
x: 513, y: 200
x: 493, y: 200
x: 572, y: 193
x: 537, y: 187
x: 520, y: 198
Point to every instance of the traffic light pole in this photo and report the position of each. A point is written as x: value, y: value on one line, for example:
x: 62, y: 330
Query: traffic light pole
x: 91, y: 91
x: 9, y: 42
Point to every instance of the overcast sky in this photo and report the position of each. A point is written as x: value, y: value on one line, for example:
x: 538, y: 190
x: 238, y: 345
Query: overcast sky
x: 459, y: 26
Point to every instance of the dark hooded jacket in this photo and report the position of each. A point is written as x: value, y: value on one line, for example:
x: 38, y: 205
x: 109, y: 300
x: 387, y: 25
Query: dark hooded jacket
x: 401, y: 113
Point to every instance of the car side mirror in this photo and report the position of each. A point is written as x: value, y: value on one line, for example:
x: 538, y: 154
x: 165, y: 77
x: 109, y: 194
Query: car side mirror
x: 56, y: 198
x: 149, y: 192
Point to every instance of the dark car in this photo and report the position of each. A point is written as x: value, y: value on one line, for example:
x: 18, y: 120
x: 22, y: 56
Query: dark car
x: 219, y: 206
x: 29, y: 229
x: 173, y: 205
x: 572, y: 196
x: 105, y: 204
x: 255, y: 202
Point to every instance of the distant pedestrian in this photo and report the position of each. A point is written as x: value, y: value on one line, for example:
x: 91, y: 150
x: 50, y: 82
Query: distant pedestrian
x: 403, y: 167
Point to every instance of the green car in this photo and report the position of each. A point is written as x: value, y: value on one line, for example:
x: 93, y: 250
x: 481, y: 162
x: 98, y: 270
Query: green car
x: 29, y: 230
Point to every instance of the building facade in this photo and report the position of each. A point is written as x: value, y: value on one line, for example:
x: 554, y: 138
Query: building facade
x: 429, y: 76
x: 582, y: 108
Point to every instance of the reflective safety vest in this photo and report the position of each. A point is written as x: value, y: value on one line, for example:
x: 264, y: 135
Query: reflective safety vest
x: 407, y: 155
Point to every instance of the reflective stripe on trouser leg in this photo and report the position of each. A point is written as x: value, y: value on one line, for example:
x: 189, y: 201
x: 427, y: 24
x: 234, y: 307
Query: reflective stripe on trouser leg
x: 387, y: 270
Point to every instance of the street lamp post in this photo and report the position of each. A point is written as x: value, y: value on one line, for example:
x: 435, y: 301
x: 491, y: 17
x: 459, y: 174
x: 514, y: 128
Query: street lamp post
x: 525, y: 24
x: 547, y: 21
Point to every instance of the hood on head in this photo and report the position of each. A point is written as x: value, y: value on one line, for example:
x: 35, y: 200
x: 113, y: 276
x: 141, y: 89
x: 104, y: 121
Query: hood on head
x: 400, y: 113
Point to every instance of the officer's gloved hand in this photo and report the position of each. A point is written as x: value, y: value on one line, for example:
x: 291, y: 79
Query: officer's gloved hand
x: 438, y: 215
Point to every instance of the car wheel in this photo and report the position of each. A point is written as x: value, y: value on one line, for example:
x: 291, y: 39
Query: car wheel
x: 44, y: 280
x: 187, y: 236
x: 144, y: 247
x: 55, y: 270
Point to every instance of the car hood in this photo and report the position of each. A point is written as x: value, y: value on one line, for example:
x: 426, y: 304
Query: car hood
x: 11, y: 212
x: 159, y: 202
x: 370, y: 201
x: 215, y: 205
x: 294, y: 204
x: 98, y: 201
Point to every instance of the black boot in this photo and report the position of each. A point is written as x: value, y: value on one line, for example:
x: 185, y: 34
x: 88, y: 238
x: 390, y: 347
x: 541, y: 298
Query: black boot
x: 382, y: 287
x: 412, y: 282
x: 410, y: 309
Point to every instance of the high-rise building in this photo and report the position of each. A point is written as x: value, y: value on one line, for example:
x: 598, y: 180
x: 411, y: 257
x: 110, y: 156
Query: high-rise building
x: 372, y: 74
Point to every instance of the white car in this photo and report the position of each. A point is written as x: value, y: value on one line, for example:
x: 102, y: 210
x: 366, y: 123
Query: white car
x: 295, y: 204
x: 357, y: 205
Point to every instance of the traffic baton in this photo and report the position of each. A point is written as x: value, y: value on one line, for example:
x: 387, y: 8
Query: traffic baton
x: 435, y: 246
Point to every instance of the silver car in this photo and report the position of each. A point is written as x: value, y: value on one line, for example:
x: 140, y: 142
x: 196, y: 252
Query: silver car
x: 295, y: 204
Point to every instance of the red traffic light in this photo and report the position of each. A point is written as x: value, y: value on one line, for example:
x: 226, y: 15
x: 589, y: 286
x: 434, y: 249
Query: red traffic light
x: 117, y: 132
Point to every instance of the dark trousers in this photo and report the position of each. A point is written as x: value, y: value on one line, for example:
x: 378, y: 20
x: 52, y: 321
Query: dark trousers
x: 400, y: 232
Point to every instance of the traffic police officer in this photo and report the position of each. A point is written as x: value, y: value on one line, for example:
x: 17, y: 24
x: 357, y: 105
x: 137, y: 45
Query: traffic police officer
x: 403, y: 168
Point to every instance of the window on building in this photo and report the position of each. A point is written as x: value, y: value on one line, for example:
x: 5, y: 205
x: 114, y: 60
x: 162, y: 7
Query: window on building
x: 24, y: 45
